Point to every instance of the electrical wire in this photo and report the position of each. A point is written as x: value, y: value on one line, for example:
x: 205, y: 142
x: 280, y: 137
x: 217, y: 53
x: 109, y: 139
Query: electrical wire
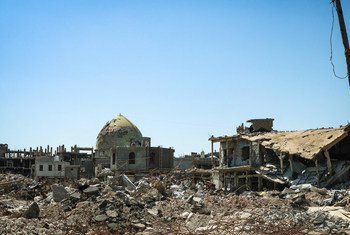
x: 331, y: 45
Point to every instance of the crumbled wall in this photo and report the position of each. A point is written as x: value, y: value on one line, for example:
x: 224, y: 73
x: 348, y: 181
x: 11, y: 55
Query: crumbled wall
x: 122, y: 158
x: 46, y: 173
x: 183, y: 163
x: 72, y: 172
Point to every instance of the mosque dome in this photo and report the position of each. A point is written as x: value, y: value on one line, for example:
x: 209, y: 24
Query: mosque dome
x: 119, y: 132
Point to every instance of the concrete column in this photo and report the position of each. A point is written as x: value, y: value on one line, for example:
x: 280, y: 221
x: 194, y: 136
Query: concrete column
x: 147, y: 158
x: 221, y: 155
x: 291, y: 164
x: 235, y: 180
x: 281, y: 157
x: 250, y: 154
x: 259, y: 183
x: 160, y: 158
x: 329, y: 163
x: 227, y: 153
x: 318, y: 173
x: 248, y: 180
x: 212, y: 153
x: 234, y: 153
x: 233, y: 157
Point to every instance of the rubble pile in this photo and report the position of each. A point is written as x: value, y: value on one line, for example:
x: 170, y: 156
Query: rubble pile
x: 165, y: 205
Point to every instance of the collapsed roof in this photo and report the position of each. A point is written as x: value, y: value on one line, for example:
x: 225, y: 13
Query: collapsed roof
x: 305, y: 143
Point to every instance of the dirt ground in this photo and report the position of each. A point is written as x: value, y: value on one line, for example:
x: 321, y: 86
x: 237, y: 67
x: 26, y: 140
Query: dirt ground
x: 165, y: 205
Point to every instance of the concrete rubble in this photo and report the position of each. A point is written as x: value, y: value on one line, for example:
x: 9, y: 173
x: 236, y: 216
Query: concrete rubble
x: 165, y: 205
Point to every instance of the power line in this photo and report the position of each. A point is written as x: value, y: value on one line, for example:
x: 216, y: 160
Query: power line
x: 331, y: 45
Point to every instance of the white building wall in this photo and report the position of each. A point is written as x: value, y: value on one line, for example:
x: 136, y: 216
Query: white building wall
x: 55, y: 172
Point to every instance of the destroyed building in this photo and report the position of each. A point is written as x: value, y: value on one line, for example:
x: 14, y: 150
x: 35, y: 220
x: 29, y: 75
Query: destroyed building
x: 80, y: 159
x: 50, y: 167
x: 69, y: 164
x: 44, y: 162
x: 121, y: 147
x: 19, y: 161
x: 183, y: 162
x: 205, y: 161
x: 202, y: 160
x: 259, y: 157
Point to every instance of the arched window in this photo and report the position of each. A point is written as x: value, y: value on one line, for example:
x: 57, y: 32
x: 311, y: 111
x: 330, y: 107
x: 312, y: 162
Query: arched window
x: 132, y: 158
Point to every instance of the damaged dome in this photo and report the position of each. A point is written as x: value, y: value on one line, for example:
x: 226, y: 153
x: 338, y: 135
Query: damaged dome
x: 119, y: 132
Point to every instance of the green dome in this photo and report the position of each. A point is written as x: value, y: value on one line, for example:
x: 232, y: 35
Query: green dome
x: 119, y: 132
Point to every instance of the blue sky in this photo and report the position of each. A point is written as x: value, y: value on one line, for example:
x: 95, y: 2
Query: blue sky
x: 180, y: 70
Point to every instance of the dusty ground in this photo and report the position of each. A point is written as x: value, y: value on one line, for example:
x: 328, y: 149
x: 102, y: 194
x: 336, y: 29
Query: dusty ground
x: 165, y: 206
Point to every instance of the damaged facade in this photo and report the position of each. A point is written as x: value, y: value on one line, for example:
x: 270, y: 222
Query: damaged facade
x: 121, y: 147
x: 40, y: 162
x: 69, y: 164
x: 259, y: 157
x: 18, y: 161
x: 202, y: 160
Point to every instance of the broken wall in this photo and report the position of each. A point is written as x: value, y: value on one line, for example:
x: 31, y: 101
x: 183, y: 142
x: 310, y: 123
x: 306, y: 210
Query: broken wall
x: 241, y: 153
x: 261, y: 124
x: 168, y: 157
x: 255, y: 154
x: 45, y: 167
x: 341, y: 150
x: 123, y: 159
x: 183, y: 163
x: 3, y: 150
x: 72, y: 172
x: 87, y: 167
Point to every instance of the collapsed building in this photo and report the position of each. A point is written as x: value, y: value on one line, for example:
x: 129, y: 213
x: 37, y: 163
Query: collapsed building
x: 73, y: 164
x: 121, y: 147
x: 44, y: 162
x: 18, y: 161
x: 202, y: 160
x: 259, y: 157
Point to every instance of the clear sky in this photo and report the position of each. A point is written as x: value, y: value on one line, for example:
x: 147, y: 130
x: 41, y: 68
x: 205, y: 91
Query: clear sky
x: 180, y: 70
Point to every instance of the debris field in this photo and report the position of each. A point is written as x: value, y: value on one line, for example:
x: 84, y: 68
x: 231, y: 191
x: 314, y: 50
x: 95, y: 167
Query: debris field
x: 165, y: 205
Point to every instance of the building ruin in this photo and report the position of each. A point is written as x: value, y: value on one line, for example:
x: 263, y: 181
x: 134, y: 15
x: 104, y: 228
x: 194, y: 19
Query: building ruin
x: 44, y: 162
x: 121, y: 147
x: 259, y: 157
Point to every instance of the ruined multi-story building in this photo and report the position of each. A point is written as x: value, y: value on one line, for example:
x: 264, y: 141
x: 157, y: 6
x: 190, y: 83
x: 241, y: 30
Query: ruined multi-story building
x: 66, y: 164
x: 121, y: 147
x: 19, y: 161
x: 44, y: 162
x: 202, y: 160
x: 259, y: 157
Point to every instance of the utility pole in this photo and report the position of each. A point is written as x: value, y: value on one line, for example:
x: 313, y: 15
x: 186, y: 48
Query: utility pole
x: 344, y: 35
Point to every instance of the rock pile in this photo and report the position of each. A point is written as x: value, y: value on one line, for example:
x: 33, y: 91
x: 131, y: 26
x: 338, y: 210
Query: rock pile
x: 158, y: 205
